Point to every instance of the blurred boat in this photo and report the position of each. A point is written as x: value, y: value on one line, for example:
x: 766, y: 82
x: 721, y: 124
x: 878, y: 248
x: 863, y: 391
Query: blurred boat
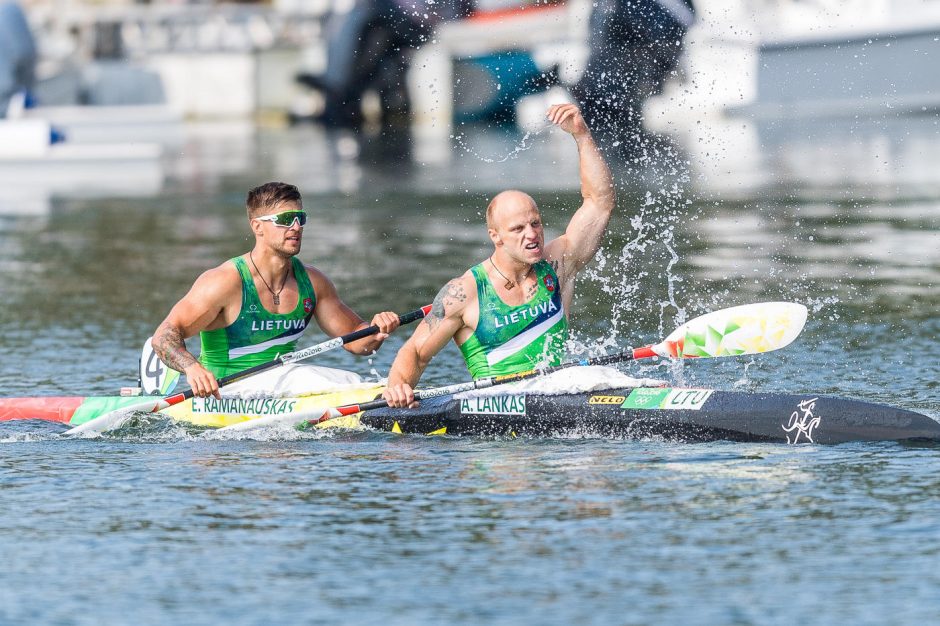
x: 825, y: 94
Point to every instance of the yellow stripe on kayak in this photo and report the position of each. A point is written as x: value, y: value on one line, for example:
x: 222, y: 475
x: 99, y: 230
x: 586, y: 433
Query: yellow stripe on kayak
x: 216, y: 414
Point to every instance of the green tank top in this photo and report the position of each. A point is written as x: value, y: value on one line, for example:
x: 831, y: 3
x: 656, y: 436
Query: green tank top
x: 257, y: 336
x: 512, y: 339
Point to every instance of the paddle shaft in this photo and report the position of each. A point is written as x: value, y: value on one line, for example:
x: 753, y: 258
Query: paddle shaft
x: 483, y: 383
x: 300, y: 355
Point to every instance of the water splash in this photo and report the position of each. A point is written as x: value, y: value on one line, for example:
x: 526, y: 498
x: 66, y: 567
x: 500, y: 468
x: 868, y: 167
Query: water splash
x: 521, y: 146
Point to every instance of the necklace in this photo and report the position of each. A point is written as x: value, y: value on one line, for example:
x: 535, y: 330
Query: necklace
x: 276, y: 294
x: 509, y: 283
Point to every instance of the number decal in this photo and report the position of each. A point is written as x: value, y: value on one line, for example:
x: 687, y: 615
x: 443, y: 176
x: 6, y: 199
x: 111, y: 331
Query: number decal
x: 155, y: 377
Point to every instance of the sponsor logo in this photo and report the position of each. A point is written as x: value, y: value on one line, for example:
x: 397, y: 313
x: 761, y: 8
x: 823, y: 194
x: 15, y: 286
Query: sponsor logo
x: 308, y: 305
x: 257, y: 325
x: 802, y: 422
x: 645, y: 398
x: 549, y: 283
x: 517, y: 376
x: 243, y: 406
x: 606, y: 399
x: 524, y: 315
x: 253, y: 308
x: 667, y: 398
x: 686, y: 399
x: 493, y: 405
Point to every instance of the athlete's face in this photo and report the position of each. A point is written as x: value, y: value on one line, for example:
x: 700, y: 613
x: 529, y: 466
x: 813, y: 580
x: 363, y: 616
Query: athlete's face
x: 285, y: 240
x: 517, y: 229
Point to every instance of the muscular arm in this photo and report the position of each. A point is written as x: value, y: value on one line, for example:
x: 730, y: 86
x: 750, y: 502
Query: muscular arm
x: 198, y: 310
x: 335, y: 318
x: 573, y: 250
x: 446, y: 319
x: 169, y: 346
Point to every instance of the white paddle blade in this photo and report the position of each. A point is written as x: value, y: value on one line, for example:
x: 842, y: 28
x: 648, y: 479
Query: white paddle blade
x: 114, y: 419
x: 746, y: 329
x: 291, y: 419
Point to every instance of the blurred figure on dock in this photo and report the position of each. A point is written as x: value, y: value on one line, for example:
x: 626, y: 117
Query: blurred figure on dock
x: 369, y: 47
x: 634, y: 46
x: 17, y: 54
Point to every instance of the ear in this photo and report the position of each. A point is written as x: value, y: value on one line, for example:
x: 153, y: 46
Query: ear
x: 494, y: 237
x: 256, y: 227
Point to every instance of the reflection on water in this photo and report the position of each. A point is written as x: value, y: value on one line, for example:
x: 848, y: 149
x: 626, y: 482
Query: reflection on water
x: 888, y: 158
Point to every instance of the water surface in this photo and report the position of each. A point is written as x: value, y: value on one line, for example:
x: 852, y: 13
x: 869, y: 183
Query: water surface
x: 170, y: 525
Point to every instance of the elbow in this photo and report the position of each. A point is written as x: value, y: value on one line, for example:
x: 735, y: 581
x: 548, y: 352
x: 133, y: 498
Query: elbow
x: 423, y: 361
x: 608, y: 199
x: 361, y: 350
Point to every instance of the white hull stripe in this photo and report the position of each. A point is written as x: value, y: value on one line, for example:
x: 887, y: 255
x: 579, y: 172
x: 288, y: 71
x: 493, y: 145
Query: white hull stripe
x: 261, y: 347
x: 521, y: 341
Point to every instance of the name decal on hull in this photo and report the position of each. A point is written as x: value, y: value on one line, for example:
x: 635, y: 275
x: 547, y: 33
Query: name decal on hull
x: 802, y: 422
x: 493, y: 405
x: 243, y: 406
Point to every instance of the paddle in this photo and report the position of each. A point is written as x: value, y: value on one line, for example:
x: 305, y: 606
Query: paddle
x: 740, y: 330
x: 115, y: 418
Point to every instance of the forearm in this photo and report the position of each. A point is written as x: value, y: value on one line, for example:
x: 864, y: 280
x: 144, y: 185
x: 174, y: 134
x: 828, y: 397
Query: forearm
x: 597, y: 182
x: 407, y: 367
x: 168, y: 344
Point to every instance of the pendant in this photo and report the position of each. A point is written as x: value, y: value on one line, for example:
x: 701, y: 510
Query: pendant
x: 509, y: 285
x: 277, y: 299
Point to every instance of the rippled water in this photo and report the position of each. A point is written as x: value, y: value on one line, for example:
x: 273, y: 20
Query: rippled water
x: 165, y: 525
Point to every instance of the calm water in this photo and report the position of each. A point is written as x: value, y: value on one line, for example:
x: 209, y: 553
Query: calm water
x: 163, y: 525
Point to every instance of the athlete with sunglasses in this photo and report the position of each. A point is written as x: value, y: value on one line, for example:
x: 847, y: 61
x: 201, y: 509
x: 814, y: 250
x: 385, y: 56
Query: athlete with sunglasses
x: 256, y: 306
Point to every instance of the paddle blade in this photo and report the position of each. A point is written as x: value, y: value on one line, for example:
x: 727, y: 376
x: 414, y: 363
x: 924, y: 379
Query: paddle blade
x: 115, y: 419
x: 746, y: 329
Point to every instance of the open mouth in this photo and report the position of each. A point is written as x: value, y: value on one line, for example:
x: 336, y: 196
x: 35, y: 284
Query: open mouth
x: 532, y: 246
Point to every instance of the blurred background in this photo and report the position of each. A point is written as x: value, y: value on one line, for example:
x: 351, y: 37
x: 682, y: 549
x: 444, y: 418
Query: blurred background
x: 753, y: 94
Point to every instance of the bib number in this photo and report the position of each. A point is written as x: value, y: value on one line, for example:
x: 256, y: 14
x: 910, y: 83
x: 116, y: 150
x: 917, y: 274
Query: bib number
x: 155, y: 377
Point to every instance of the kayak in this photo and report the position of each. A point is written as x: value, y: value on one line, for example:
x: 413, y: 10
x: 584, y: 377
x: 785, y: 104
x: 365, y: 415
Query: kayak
x: 670, y: 413
x: 206, y: 412
x: 674, y: 414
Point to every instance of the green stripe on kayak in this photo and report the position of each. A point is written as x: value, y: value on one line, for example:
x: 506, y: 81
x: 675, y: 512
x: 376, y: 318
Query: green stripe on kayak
x: 97, y: 406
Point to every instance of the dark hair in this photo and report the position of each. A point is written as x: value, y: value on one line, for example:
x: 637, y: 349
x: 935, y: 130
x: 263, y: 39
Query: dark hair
x: 268, y: 196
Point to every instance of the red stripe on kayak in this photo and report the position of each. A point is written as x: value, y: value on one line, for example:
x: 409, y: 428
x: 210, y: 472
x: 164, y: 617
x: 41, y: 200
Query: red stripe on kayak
x: 51, y: 409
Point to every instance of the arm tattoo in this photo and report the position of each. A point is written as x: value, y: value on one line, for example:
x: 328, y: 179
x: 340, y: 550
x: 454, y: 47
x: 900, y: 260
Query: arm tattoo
x: 168, y: 343
x: 451, y: 293
x: 556, y: 265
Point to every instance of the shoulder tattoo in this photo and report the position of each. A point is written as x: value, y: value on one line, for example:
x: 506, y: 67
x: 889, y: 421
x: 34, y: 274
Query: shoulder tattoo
x: 450, y: 294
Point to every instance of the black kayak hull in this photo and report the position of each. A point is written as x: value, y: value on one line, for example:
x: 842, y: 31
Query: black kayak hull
x: 686, y: 415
